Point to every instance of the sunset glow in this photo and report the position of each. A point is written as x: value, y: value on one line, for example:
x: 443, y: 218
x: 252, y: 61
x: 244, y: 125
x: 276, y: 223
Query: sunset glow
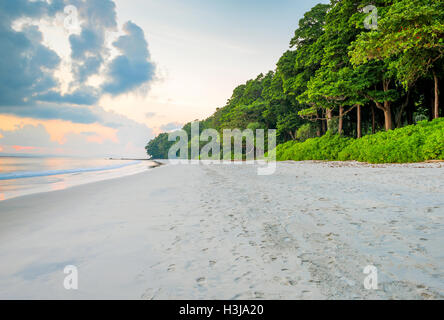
x: 144, y: 72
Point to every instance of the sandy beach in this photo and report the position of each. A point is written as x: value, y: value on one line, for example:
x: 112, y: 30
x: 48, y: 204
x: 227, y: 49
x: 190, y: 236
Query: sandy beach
x: 223, y: 232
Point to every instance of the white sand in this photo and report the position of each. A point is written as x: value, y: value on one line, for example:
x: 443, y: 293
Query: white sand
x: 222, y: 231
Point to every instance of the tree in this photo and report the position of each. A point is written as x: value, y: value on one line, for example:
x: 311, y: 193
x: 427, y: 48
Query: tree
x: 335, y: 65
x: 334, y: 84
x: 410, y: 33
x: 158, y: 148
x: 299, y: 66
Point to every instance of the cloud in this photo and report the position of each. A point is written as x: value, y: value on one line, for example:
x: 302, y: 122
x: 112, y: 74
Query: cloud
x: 26, y: 66
x: 29, y: 88
x: 27, y: 136
x: 23, y: 148
x: 88, y: 49
x: 85, y: 96
x: 129, y: 139
x: 132, y: 68
x: 150, y: 114
x: 127, y: 130
x: 171, y: 126
x: 11, y: 10
x: 51, y: 112
x: 126, y: 72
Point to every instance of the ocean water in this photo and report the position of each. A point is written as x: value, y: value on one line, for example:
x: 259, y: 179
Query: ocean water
x: 26, y: 175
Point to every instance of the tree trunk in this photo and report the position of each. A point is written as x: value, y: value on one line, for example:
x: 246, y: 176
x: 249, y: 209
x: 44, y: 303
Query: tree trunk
x: 329, y: 117
x: 387, y: 114
x: 388, y: 118
x: 387, y: 107
x: 373, y: 121
x: 340, y: 124
x: 410, y: 114
x: 398, y: 116
x: 319, y: 123
x: 436, y: 105
x: 323, y: 123
x: 358, y: 127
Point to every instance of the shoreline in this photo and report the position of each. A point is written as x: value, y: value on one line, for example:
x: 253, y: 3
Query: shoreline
x: 326, y: 163
x: 47, y: 187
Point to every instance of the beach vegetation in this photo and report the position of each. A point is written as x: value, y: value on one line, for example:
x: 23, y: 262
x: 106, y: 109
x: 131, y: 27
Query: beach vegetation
x: 345, y: 90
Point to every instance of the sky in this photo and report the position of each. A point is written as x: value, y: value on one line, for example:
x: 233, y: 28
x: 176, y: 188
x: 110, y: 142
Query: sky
x: 102, y: 77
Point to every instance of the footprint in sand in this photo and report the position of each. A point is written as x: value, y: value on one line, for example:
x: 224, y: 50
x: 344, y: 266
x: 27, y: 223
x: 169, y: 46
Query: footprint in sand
x: 171, y: 267
x: 149, y: 294
x: 201, y: 281
x: 177, y: 240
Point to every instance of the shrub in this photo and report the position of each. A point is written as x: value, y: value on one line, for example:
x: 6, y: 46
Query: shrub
x: 326, y: 147
x: 305, y: 132
x: 415, y: 143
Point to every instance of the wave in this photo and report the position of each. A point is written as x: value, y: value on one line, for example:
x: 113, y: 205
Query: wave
x: 32, y: 174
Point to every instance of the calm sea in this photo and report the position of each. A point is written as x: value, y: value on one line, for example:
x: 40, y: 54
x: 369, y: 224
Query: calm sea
x: 26, y: 175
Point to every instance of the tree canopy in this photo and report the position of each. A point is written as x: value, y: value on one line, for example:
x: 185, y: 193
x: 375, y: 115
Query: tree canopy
x: 341, y: 76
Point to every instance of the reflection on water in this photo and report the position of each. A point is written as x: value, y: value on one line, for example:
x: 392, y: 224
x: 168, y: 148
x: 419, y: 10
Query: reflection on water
x: 25, y: 164
x: 44, y: 174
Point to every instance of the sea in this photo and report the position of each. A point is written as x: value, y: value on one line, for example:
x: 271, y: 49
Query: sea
x: 21, y: 176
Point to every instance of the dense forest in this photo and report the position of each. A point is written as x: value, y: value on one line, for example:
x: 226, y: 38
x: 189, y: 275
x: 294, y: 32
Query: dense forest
x: 351, y: 77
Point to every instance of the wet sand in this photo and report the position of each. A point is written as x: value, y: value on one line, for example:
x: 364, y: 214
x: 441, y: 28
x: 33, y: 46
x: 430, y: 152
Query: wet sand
x: 223, y: 232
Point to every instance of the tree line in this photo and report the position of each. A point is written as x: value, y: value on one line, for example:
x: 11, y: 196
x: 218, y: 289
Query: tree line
x: 342, y: 76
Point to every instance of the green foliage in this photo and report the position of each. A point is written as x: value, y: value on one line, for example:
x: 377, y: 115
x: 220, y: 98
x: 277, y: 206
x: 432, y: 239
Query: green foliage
x: 326, y: 147
x: 158, y: 148
x: 305, y: 132
x: 415, y: 143
x: 409, y: 31
x: 333, y: 64
x: 288, y: 125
